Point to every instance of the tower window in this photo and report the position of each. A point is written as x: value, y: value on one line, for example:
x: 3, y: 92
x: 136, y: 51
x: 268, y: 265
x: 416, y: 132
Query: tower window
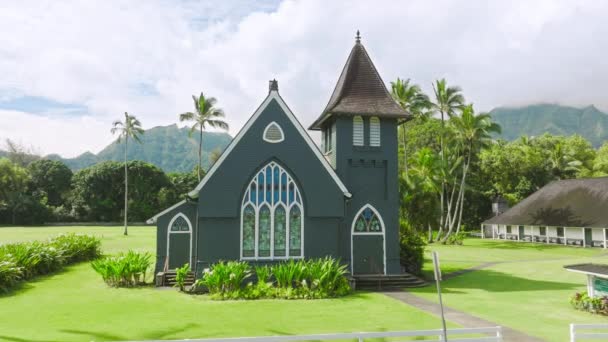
x: 357, y: 131
x: 374, y: 131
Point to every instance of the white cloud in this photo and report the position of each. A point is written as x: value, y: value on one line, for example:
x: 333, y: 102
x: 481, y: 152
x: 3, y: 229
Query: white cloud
x: 149, y: 57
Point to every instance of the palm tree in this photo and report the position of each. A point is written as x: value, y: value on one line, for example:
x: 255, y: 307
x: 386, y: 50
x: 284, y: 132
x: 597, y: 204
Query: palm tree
x: 561, y: 162
x: 411, y: 98
x: 424, y: 178
x: 447, y: 101
x: 131, y: 128
x: 471, y: 133
x: 205, y: 114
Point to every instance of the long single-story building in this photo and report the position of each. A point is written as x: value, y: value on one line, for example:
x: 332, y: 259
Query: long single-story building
x: 569, y: 212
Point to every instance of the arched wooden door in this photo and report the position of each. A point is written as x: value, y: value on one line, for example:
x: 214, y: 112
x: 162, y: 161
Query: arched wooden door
x: 179, y: 241
x: 368, y: 255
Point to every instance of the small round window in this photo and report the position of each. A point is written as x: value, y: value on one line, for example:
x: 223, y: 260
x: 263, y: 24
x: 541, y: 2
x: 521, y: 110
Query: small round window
x: 273, y: 133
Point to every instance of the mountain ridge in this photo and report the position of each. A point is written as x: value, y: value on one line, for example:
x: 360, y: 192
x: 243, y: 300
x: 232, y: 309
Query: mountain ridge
x: 540, y: 118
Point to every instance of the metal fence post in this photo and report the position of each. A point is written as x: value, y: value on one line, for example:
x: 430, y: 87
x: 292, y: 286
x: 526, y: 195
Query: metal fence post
x: 572, y: 333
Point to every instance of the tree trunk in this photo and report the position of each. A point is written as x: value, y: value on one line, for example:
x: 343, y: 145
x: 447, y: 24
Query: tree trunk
x: 200, y: 153
x: 442, y: 211
x: 126, y: 184
x: 430, y: 233
x: 466, y: 170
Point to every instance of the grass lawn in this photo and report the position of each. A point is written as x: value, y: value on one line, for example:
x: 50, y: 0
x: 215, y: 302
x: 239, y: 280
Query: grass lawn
x: 75, y: 305
x: 529, y: 293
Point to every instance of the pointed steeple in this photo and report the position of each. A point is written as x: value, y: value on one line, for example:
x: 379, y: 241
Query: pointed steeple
x: 360, y: 90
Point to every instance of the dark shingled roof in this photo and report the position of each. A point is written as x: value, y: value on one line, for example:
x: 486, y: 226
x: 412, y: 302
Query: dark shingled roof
x: 568, y: 203
x: 589, y: 268
x: 360, y: 91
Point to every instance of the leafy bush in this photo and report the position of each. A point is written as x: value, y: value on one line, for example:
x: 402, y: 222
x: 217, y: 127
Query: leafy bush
x: 581, y: 301
x: 180, y: 276
x: 10, y: 274
x: 456, y: 238
x: 124, y: 270
x: 77, y: 248
x: 25, y: 260
x: 225, y: 279
x: 319, y: 278
x: 411, y: 254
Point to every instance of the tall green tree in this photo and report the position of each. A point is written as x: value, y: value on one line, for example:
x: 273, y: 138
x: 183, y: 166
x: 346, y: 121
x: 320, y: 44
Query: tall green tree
x: 130, y: 128
x: 448, y: 100
x: 471, y: 133
x: 13, y: 187
x: 51, y: 180
x: 205, y: 114
x: 411, y: 98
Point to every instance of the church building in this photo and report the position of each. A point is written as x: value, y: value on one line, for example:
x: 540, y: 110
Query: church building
x: 275, y: 195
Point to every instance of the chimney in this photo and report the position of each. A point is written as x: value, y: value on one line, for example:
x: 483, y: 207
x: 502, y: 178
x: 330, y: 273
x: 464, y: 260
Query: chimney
x: 273, y: 86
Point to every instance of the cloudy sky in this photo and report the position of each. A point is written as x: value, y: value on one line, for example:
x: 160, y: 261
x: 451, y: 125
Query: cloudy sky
x: 69, y: 68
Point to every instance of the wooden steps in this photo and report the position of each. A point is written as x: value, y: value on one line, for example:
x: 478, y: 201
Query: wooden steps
x: 168, y: 278
x: 395, y: 282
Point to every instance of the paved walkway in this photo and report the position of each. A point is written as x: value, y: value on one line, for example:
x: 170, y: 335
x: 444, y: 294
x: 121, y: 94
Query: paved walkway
x: 459, y: 317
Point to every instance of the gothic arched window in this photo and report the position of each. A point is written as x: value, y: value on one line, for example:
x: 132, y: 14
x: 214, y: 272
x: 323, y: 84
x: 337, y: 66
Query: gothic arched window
x: 272, y: 216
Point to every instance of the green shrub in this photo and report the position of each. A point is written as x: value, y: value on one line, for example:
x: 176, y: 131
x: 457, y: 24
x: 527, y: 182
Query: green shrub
x: 10, y: 274
x: 455, y: 239
x: 306, y: 279
x: 581, y: 301
x: 124, y: 270
x: 411, y: 254
x: 30, y: 259
x: 225, y: 279
x: 76, y: 248
x: 180, y: 276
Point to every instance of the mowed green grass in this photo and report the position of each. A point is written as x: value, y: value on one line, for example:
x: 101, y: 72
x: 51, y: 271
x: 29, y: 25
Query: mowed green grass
x: 75, y: 305
x: 529, y: 293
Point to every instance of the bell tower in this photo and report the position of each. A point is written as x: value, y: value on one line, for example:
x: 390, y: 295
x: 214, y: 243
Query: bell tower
x: 359, y: 130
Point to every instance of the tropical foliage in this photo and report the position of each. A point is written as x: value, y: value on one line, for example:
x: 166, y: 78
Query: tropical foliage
x: 596, y: 305
x: 25, y: 260
x: 304, y: 279
x: 125, y: 269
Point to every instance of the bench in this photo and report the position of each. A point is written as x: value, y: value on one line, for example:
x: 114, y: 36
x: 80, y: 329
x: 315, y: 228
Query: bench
x: 597, y: 243
x: 574, y: 242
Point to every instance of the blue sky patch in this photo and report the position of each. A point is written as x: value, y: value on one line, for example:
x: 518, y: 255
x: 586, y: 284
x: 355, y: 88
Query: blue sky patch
x: 41, y: 105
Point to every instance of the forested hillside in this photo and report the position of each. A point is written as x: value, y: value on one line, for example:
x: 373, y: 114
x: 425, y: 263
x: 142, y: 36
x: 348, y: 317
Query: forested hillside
x: 535, y: 120
x: 168, y: 147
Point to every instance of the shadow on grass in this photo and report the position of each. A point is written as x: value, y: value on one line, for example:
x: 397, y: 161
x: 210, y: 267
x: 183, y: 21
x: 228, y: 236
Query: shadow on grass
x: 158, y: 334
x: 26, y: 285
x: 494, y: 281
x: 18, y: 339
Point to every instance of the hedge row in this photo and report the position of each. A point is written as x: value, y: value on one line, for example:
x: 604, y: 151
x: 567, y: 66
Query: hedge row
x: 25, y: 260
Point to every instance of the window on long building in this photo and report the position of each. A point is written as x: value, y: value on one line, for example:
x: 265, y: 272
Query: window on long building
x: 560, y: 231
x: 542, y: 230
x: 272, y: 219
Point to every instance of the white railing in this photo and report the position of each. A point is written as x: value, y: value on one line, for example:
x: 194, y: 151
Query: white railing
x: 576, y: 335
x: 493, y: 334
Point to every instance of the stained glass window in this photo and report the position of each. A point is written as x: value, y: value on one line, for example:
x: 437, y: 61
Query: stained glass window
x: 180, y: 224
x: 272, y: 203
x: 295, y: 231
x: 249, y: 232
x: 368, y: 222
x: 280, y: 233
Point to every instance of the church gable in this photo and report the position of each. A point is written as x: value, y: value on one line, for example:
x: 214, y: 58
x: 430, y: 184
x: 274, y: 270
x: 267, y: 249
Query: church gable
x: 272, y: 134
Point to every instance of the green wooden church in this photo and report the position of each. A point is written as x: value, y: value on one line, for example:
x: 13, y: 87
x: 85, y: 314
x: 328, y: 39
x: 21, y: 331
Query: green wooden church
x: 274, y: 195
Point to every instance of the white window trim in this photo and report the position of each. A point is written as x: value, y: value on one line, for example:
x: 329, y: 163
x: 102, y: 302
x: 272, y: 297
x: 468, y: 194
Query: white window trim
x: 256, y: 207
x: 353, y: 233
x: 169, y: 232
x: 274, y: 123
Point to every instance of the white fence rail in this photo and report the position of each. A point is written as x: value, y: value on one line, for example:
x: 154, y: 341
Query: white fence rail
x: 579, y: 332
x: 493, y: 334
